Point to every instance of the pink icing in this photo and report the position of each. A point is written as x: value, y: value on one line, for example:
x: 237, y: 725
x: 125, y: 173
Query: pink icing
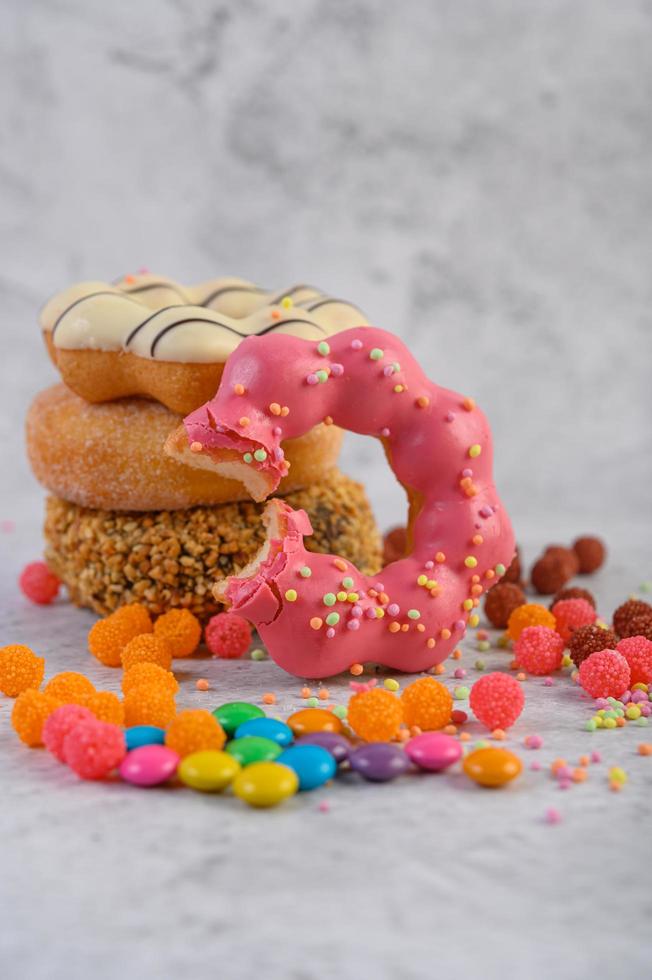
x: 432, y: 437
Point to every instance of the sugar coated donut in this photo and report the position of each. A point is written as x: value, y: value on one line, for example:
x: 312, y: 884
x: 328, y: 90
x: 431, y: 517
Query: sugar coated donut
x: 111, y: 455
x: 150, y: 336
x: 318, y: 614
x: 170, y: 559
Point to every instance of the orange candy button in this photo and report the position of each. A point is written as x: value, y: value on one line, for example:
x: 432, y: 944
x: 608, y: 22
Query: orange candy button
x: 492, y: 767
x: 310, y: 720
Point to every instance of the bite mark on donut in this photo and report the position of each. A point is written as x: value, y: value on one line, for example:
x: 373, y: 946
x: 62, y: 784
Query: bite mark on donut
x: 225, y: 461
x: 256, y: 584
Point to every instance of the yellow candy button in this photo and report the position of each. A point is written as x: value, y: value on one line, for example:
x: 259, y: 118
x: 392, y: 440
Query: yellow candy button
x: 208, y: 771
x: 265, y: 784
x: 492, y: 767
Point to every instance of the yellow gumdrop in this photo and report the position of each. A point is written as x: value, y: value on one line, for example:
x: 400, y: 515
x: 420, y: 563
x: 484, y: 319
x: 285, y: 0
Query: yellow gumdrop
x: 265, y: 784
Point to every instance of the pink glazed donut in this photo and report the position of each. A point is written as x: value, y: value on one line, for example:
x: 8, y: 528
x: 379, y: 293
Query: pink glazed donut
x: 317, y: 614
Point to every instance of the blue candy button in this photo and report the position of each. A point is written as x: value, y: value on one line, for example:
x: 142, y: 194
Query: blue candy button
x: 313, y: 765
x: 277, y: 731
x: 139, y: 735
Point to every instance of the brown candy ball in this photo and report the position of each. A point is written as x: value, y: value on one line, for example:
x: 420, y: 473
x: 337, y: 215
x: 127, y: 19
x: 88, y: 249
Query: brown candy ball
x: 513, y: 573
x: 565, y: 555
x: 549, y: 575
x: 629, y: 610
x: 394, y: 545
x: 573, y: 592
x: 501, y: 601
x: 591, y: 554
x: 587, y: 640
x: 640, y: 625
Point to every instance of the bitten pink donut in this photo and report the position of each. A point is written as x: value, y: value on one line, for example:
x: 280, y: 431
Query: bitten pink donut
x: 316, y: 613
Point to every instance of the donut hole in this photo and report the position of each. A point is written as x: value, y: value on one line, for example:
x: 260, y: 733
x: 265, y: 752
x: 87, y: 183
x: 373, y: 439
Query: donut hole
x: 365, y: 460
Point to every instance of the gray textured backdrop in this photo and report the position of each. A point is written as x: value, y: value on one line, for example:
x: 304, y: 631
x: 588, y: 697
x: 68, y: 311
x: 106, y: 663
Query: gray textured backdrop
x: 477, y: 175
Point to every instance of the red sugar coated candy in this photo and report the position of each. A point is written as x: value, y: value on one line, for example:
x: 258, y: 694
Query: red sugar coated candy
x: 539, y: 650
x: 94, y: 748
x: 59, y: 724
x: 605, y: 674
x: 227, y: 635
x: 38, y: 583
x: 570, y: 614
x: 497, y: 700
x: 637, y: 651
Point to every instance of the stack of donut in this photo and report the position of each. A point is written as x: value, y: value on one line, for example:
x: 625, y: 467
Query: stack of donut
x: 127, y: 522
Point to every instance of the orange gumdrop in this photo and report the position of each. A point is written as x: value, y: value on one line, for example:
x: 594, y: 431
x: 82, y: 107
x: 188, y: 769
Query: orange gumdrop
x: 147, y: 648
x: 70, y: 687
x: 181, y: 629
x: 147, y: 674
x: 375, y: 715
x: 193, y: 731
x: 149, y: 706
x: 20, y: 669
x: 427, y: 703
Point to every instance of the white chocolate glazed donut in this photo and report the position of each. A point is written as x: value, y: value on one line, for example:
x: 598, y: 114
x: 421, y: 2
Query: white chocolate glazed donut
x: 153, y: 337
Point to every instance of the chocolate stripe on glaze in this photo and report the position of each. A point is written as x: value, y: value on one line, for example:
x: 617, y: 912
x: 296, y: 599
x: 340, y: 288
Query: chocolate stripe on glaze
x: 274, y: 300
x: 154, y: 285
x: 232, y: 289
x: 148, y: 319
x: 82, y: 299
x: 311, y: 305
x: 259, y: 333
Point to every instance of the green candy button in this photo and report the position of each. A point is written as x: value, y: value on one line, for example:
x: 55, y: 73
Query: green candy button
x: 234, y: 713
x: 253, y: 748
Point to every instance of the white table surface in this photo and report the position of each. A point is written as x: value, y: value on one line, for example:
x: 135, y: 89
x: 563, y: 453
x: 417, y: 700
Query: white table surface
x: 424, y: 877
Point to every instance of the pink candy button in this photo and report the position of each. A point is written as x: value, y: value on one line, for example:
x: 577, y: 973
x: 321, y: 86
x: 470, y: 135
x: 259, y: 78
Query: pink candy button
x: 433, y: 751
x: 149, y: 765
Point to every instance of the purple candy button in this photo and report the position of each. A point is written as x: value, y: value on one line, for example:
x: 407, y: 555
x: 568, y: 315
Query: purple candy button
x: 149, y: 765
x: 433, y: 751
x: 379, y: 761
x: 338, y: 746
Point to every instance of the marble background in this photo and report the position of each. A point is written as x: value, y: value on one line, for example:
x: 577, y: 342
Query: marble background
x: 475, y: 174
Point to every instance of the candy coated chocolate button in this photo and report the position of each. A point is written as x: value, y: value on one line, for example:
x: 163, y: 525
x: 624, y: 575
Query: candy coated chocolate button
x: 278, y: 731
x: 139, y: 735
x: 265, y: 784
x: 433, y: 751
x: 313, y: 764
x: 208, y: 771
x: 338, y: 746
x: 379, y: 761
x: 492, y: 767
x: 149, y: 765
x: 310, y: 720
x: 253, y: 748
x: 235, y: 713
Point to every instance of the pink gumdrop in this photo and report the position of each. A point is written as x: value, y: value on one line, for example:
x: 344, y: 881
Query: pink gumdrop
x: 60, y: 723
x: 497, y: 700
x: 637, y: 651
x: 604, y: 674
x: 149, y: 765
x: 94, y: 748
x: 570, y: 614
x: 38, y: 583
x: 433, y: 751
x: 539, y: 650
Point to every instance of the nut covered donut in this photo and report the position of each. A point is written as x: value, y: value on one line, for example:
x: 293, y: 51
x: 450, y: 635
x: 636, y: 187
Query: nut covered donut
x: 318, y: 614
